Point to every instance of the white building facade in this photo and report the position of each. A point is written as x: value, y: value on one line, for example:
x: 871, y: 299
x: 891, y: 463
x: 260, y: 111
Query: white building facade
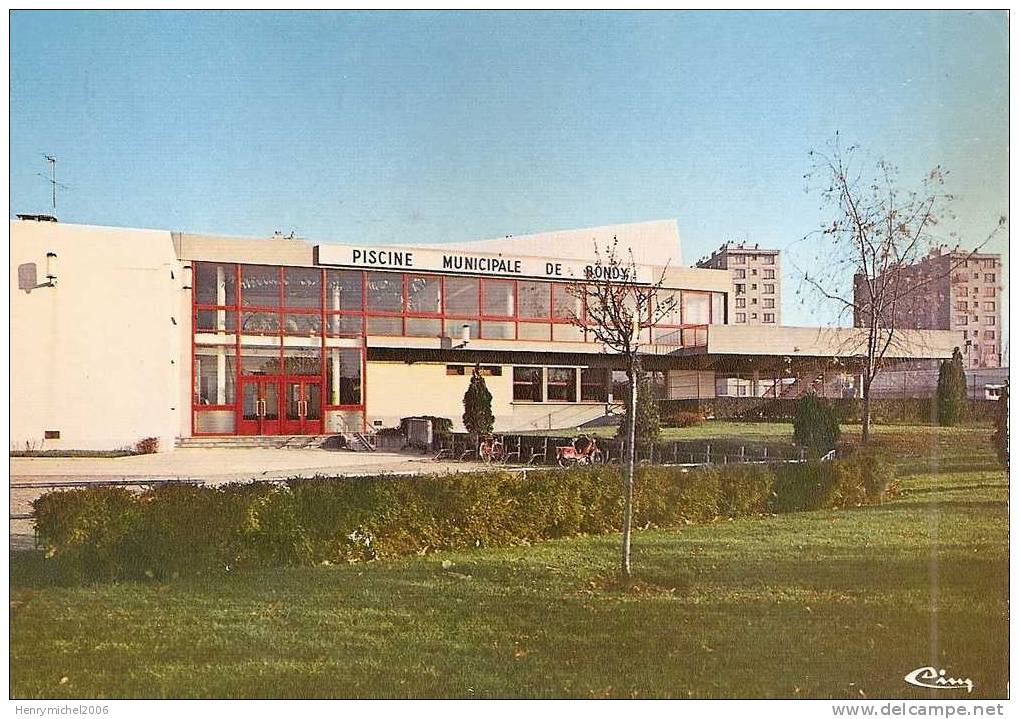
x: 145, y: 333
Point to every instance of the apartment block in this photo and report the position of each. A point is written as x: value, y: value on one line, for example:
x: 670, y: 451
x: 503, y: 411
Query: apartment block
x: 949, y: 289
x: 756, y: 282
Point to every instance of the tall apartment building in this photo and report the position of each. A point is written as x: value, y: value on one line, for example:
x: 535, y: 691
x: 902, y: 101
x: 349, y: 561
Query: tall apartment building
x: 958, y: 291
x: 756, y: 278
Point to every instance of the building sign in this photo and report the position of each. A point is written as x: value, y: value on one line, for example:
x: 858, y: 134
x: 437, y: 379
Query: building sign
x: 469, y: 263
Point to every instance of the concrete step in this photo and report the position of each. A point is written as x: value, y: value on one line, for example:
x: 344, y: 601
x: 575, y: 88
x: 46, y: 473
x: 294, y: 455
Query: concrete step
x: 298, y: 441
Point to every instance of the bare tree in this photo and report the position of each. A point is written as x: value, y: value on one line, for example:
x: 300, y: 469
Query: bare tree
x: 620, y: 314
x: 867, y: 263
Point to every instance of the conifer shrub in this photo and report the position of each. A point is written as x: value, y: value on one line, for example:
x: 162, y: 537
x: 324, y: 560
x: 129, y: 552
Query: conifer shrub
x: 815, y: 424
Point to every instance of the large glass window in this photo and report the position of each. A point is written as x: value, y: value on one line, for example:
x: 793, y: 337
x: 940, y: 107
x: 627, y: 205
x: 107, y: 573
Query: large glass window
x: 696, y: 308
x: 455, y: 328
x: 344, y: 290
x: 343, y: 377
x: 423, y: 327
x: 527, y: 384
x: 260, y: 360
x: 385, y: 292
x: 567, y: 333
x: 260, y: 286
x: 302, y: 361
x: 343, y: 325
x: 718, y: 307
x: 260, y: 323
x: 594, y: 384
x: 498, y: 330
x: 561, y: 384
x: 215, y: 284
x: 218, y: 321
x: 302, y: 325
x: 535, y: 299
x: 667, y: 307
x: 565, y: 305
x: 499, y: 298
x: 423, y: 295
x: 215, y: 375
x: 302, y: 287
x: 536, y: 331
x: 385, y: 326
x: 462, y: 296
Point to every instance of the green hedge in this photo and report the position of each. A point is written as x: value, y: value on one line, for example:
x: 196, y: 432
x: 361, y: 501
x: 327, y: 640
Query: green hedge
x: 111, y: 533
x: 908, y: 410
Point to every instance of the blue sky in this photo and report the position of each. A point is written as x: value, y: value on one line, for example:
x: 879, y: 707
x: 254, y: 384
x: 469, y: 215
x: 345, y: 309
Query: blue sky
x: 418, y: 127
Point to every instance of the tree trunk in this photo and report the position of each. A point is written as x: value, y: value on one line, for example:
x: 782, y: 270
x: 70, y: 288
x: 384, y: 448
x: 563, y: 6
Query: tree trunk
x: 631, y: 460
x: 866, y: 409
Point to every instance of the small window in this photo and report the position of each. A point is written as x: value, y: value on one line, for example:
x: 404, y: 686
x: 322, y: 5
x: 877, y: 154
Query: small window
x: 741, y: 301
x: 739, y: 274
x: 527, y: 384
x: 463, y: 370
x: 741, y: 289
x: 769, y: 274
x: 594, y: 384
x: 741, y: 316
x: 990, y: 277
x: 740, y: 259
x: 51, y: 434
x: 988, y: 334
x: 769, y: 289
x: 753, y: 271
x: 769, y: 317
x: 988, y: 291
x: 768, y: 304
x: 989, y: 306
x: 962, y: 320
x: 768, y: 259
x: 561, y: 384
x: 990, y: 320
x: 753, y: 286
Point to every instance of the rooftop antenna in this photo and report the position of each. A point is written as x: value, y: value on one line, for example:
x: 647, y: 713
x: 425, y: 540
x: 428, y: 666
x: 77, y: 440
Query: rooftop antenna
x: 52, y: 179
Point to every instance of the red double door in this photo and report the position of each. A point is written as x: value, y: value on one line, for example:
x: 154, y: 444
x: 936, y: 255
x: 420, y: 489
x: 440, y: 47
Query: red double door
x: 274, y: 405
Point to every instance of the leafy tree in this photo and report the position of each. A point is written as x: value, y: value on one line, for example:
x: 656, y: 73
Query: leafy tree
x: 815, y: 424
x: 1001, y: 427
x: 951, y: 390
x: 478, y: 417
x: 649, y: 421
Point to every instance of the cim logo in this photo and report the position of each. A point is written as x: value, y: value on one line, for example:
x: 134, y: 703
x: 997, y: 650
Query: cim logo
x: 932, y: 678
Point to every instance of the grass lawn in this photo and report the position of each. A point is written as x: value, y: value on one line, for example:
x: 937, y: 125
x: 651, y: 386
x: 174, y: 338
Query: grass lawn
x: 820, y: 604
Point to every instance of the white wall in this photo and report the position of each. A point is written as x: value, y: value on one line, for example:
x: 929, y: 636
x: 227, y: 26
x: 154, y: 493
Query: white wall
x: 398, y: 389
x: 97, y: 357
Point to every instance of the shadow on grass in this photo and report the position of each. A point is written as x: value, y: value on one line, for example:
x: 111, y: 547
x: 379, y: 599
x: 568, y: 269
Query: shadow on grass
x: 30, y: 569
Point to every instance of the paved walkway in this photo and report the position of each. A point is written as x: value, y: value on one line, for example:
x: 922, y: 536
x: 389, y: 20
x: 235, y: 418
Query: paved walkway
x: 212, y: 466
